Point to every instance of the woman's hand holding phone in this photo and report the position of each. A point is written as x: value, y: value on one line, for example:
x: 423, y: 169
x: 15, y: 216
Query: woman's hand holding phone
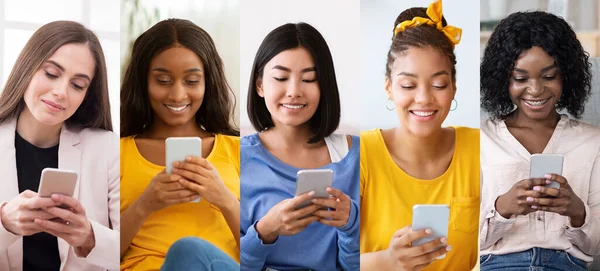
x: 73, y: 226
x: 200, y: 176
x: 164, y: 190
x: 514, y: 201
x: 285, y: 219
x: 338, y: 210
x: 563, y: 200
x: 405, y: 257
x: 19, y: 214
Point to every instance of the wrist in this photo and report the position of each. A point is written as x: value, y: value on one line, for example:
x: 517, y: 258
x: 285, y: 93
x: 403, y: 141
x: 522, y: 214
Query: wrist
x: 264, y: 233
x: 228, y: 203
x: 578, y: 219
x: 501, y: 209
x: 88, y: 244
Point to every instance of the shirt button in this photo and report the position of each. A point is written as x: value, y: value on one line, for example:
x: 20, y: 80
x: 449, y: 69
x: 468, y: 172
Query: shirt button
x: 539, y: 219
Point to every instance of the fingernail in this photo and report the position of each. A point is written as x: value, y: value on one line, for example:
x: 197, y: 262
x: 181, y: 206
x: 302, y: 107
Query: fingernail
x: 547, y: 176
x: 443, y: 240
x: 188, y: 158
x: 314, y: 200
x: 548, y: 181
x: 175, y: 164
x: 537, y: 188
x: 448, y: 248
x: 427, y: 231
x: 534, y: 207
x: 311, y: 193
x: 530, y: 199
x: 328, y: 189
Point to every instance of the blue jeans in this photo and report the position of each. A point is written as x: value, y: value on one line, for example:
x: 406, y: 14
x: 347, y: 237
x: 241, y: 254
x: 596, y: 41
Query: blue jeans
x: 535, y: 259
x: 191, y: 253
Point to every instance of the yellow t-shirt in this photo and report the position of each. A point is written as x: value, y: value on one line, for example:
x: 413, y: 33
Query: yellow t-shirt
x: 388, y: 195
x: 162, y: 228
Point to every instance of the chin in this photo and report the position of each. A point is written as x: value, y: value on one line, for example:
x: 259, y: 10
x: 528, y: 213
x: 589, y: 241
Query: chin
x: 49, y: 120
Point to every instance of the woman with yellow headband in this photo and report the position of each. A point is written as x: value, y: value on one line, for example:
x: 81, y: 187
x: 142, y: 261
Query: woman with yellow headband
x: 419, y: 162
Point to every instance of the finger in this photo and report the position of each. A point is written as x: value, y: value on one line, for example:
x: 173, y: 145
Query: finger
x: 531, y: 193
x: 39, y: 202
x: 53, y: 226
x: 65, y: 215
x: 558, y: 178
x: 431, y: 256
x: 300, y: 198
x: 547, y: 191
x: 170, y: 178
x: 327, y: 214
x: 69, y: 201
x: 304, y: 211
x: 29, y: 194
x: 193, y: 167
x: 527, y: 184
x: 330, y: 202
x: 401, y: 232
x: 428, y: 247
x: 414, y: 235
x: 337, y: 193
x: 541, y: 201
x: 179, y: 194
x: 194, y: 160
x: 57, y: 234
x: 41, y: 214
x: 193, y: 186
x: 304, y: 222
x: 191, y: 176
x: 174, y: 186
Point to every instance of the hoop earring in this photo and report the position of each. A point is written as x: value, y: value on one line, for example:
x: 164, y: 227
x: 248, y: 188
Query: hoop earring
x: 387, y: 105
x: 452, y: 109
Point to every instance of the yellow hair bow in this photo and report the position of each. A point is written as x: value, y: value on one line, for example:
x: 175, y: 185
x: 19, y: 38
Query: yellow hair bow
x: 434, y: 11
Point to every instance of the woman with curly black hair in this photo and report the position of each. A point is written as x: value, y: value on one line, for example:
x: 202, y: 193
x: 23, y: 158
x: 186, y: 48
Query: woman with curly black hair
x: 534, y: 66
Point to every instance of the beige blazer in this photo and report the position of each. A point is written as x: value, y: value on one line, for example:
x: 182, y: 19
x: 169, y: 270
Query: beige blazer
x: 94, y: 155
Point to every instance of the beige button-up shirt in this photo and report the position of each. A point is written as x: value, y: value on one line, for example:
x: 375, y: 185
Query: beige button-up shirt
x: 504, y: 161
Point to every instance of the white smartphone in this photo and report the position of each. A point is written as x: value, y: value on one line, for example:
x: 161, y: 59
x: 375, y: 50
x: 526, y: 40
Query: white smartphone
x: 313, y: 180
x: 431, y: 216
x: 57, y: 181
x: 177, y: 148
x: 542, y: 164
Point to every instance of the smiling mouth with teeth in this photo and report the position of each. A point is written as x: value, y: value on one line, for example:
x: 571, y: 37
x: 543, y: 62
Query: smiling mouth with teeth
x: 536, y: 102
x: 423, y: 113
x: 176, y: 109
x: 293, y: 106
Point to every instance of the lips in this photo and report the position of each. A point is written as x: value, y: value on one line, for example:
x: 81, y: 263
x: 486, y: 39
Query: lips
x: 177, y: 107
x: 423, y: 113
x: 53, y: 105
x: 293, y: 106
x: 535, y: 102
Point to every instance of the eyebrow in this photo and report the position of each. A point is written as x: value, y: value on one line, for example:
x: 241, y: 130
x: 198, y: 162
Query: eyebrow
x: 279, y: 67
x: 415, y: 76
x: 63, y: 70
x: 543, y: 70
x: 159, y: 69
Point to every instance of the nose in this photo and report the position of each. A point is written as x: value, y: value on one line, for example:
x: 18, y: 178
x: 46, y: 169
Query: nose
x: 60, y: 89
x: 535, y: 87
x: 178, y: 93
x: 424, y: 95
x: 294, y: 89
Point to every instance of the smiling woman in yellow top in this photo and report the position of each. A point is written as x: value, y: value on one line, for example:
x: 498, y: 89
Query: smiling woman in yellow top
x: 419, y: 162
x: 175, y: 87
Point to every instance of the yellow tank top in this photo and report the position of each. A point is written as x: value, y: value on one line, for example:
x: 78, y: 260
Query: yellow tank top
x: 162, y: 228
x: 388, y: 195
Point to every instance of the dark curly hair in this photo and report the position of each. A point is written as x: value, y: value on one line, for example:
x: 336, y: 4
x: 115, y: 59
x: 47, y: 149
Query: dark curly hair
x: 519, y: 32
x: 421, y: 36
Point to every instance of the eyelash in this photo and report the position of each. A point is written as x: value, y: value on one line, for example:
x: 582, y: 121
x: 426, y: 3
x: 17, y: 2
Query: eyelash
x: 283, y: 79
x: 523, y: 80
x: 167, y: 82
x: 436, y: 87
x: 52, y: 77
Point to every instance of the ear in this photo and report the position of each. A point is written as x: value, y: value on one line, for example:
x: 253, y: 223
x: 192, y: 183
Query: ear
x: 259, y: 89
x: 388, y: 88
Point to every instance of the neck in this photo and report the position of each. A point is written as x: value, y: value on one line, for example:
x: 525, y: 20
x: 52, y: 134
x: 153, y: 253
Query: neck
x: 283, y: 136
x: 162, y: 130
x: 521, y: 120
x: 37, y: 133
x: 417, y: 148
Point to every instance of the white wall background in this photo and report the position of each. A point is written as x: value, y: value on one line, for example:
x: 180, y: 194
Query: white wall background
x: 376, y: 27
x: 19, y: 19
x: 220, y: 19
x: 338, y: 22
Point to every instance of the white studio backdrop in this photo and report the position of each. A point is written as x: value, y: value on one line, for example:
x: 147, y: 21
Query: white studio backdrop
x: 376, y: 25
x: 338, y: 21
x: 220, y: 19
x: 19, y: 19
